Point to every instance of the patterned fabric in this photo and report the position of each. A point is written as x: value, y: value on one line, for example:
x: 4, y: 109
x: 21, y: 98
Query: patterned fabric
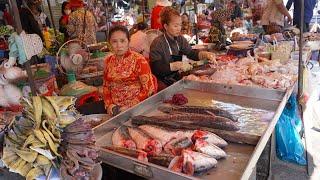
x: 271, y: 14
x: 155, y: 17
x: 127, y: 81
x: 221, y: 15
x: 76, y: 24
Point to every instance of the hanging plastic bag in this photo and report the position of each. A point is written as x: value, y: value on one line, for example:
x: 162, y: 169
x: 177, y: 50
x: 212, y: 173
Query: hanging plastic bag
x: 288, y: 142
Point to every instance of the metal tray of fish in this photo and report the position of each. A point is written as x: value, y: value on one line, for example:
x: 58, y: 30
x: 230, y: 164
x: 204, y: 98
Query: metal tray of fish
x: 257, y: 110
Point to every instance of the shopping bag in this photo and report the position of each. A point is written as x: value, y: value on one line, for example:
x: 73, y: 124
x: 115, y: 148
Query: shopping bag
x: 289, y: 146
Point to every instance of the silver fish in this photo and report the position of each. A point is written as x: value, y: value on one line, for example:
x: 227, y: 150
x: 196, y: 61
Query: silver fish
x: 209, y: 149
x: 121, y: 138
x: 197, y: 163
x: 145, y: 142
x: 176, y: 146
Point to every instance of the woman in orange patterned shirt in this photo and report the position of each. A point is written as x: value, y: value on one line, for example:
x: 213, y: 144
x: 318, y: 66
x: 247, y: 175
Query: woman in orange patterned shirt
x: 127, y: 76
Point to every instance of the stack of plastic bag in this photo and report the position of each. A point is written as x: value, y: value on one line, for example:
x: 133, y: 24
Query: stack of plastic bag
x: 289, y: 146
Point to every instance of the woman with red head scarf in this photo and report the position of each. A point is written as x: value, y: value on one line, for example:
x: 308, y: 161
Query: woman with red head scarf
x: 155, y: 15
x: 82, y: 24
x: 63, y: 22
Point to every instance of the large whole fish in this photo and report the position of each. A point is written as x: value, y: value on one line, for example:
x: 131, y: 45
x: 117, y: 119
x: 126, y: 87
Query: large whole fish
x: 190, y: 119
x: 122, y: 138
x: 191, y: 163
x: 164, y: 135
x: 209, y: 149
x: 144, y: 141
x: 197, y: 110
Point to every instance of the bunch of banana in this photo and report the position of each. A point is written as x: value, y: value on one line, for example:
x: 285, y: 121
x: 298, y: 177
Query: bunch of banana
x: 32, y: 141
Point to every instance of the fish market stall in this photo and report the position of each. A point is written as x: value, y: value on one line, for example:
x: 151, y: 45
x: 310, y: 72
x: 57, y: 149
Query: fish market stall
x: 242, y: 119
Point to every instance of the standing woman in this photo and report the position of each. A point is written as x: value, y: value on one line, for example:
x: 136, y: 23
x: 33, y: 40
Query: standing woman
x: 273, y: 16
x: 29, y: 20
x: 127, y: 76
x: 82, y: 24
x: 166, y: 51
x: 155, y: 14
x: 64, y: 19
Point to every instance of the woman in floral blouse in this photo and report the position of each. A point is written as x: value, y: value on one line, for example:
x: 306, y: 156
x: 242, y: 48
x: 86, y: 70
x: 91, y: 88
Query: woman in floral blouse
x: 127, y: 76
x: 81, y: 24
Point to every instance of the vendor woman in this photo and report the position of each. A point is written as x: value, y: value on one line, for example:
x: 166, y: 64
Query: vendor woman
x: 167, y: 50
x: 127, y: 74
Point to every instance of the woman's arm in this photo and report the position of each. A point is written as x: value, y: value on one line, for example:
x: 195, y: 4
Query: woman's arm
x: 283, y: 9
x: 108, y: 102
x: 160, y: 67
x: 146, y: 79
x: 188, y: 51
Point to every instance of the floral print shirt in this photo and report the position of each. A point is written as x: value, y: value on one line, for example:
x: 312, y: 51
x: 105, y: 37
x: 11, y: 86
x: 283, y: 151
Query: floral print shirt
x: 76, y: 24
x: 127, y: 81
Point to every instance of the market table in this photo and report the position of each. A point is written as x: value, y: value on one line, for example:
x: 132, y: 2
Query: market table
x: 242, y: 158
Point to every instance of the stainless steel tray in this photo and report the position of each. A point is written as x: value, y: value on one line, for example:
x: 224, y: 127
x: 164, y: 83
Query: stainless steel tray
x: 241, y: 159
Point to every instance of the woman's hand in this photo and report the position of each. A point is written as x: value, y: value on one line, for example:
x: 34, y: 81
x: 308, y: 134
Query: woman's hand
x: 205, y: 55
x: 113, y: 110
x: 289, y: 20
x: 176, y: 66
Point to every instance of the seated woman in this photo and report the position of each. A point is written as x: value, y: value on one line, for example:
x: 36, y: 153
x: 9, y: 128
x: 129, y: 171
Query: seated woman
x: 127, y: 75
x: 166, y: 51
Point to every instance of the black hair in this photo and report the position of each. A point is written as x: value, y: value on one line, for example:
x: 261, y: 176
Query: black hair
x: 64, y: 4
x: 185, y: 14
x: 142, y: 26
x: 118, y: 28
x: 234, y: 2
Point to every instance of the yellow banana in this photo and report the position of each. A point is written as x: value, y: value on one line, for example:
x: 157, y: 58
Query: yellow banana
x: 34, y: 173
x: 64, y: 102
x: 38, y: 144
x: 40, y: 136
x: 31, y: 138
x: 48, y: 110
x: 13, y: 166
x: 27, y: 155
x: 37, y: 106
x: 20, y: 166
x: 9, y: 156
x: 52, y: 145
x: 25, y: 169
x: 44, y: 122
x: 42, y: 160
x: 53, y: 104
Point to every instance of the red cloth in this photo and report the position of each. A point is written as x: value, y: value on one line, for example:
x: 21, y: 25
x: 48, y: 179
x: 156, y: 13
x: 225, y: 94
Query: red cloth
x: 8, y: 17
x: 155, y: 17
x: 64, y: 20
x: 76, y: 4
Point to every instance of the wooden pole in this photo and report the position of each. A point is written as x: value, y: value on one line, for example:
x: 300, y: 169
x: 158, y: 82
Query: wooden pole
x: 195, y: 5
x: 300, y: 78
x: 19, y: 30
x: 51, y: 17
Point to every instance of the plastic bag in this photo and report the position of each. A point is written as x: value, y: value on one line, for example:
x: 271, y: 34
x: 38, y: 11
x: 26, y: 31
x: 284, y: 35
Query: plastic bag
x: 288, y: 142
